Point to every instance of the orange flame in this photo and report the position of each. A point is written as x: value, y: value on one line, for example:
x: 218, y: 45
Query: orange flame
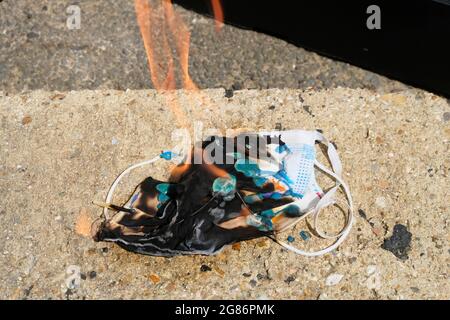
x: 160, y: 26
x: 150, y: 18
x: 218, y: 14
x: 182, y: 40
x: 158, y: 50
x: 145, y: 19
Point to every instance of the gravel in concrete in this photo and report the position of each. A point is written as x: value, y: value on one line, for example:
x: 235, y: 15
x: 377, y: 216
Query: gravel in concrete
x: 38, y: 51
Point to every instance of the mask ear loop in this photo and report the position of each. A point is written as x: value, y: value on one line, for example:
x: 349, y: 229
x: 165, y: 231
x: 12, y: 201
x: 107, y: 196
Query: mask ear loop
x: 109, y: 196
x: 327, y: 200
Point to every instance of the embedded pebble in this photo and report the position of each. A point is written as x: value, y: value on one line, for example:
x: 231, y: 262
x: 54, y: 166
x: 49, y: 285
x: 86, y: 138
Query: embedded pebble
x: 381, y: 202
x: 205, y: 268
x: 446, y: 116
x: 371, y: 269
x: 373, y: 282
x: 236, y: 246
x: 155, y: 278
x: 219, y: 271
x: 333, y: 279
x: 26, y: 120
x: 290, y: 279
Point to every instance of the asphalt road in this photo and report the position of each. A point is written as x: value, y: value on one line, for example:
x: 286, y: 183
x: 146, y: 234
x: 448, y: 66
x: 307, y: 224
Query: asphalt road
x: 39, y: 51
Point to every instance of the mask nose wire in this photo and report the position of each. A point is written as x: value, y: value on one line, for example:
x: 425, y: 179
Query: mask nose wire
x: 114, y: 185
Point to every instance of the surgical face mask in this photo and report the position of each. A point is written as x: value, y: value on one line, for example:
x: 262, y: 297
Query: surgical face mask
x: 260, y: 187
x: 298, y: 166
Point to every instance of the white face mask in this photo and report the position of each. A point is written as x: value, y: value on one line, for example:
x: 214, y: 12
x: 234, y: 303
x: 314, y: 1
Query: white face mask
x: 291, y: 167
x: 298, y: 163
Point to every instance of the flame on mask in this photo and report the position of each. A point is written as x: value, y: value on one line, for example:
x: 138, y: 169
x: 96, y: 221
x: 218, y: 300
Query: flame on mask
x: 162, y: 29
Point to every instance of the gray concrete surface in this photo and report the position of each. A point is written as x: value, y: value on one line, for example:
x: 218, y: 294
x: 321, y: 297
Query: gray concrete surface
x: 60, y: 151
x: 38, y: 51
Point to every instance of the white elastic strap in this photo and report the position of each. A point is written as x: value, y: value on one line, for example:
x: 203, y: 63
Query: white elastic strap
x: 326, y: 200
x: 119, y: 177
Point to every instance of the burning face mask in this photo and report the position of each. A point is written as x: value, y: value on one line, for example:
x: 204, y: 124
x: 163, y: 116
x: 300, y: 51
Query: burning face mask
x: 228, y: 189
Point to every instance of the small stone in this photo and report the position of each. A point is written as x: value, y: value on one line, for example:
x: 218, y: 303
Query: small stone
x: 205, y: 268
x: 114, y: 141
x: 371, y: 269
x: 272, y: 107
x: 446, y: 116
x: 352, y: 259
x: 383, y: 184
x: 247, y: 275
x: 373, y: 282
x: 155, y: 278
x: 58, y: 96
x: 32, y: 35
x: 236, y: 246
x: 307, y: 109
x: 236, y: 86
x: 26, y: 120
x: 262, y: 243
x: 394, y: 98
x: 290, y: 279
x: 377, y: 231
x: 171, y: 287
x: 381, y: 202
x: 362, y: 214
x: 92, y: 274
x: 90, y: 251
x: 333, y: 279
x: 322, y: 296
x: 253, y: 283
x: 219, y: 271
x: 379, y: 140
x: 229, y: 93
x: 415, y: 289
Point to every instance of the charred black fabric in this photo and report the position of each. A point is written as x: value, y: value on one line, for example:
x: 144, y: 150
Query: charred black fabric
x: 186, y: 215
